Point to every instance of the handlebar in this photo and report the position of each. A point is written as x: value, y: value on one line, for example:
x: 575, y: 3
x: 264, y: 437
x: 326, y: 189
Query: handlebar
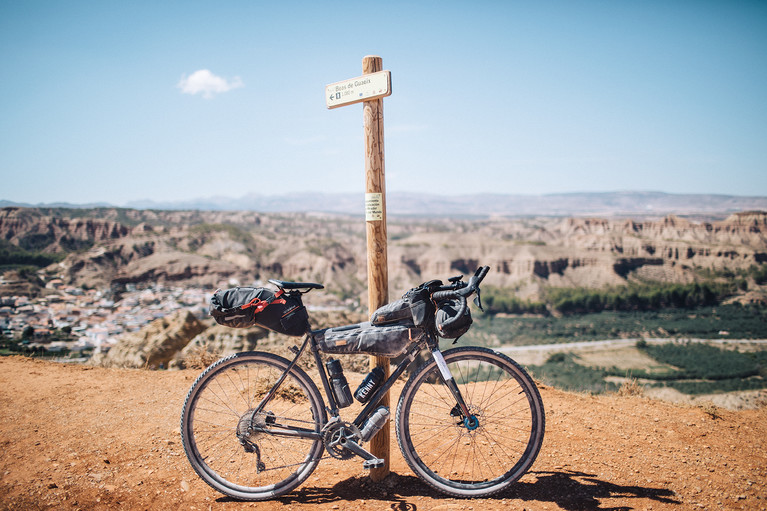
x: 461, y: 289
x: 462, y: 292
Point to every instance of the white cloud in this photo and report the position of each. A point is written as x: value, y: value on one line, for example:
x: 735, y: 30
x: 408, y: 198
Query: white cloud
x: 206, y: 83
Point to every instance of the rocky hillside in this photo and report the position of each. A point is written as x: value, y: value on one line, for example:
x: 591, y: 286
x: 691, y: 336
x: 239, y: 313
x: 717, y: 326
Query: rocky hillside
x: 116, y: 247
x: 155, y: 345
x: 181, y: 340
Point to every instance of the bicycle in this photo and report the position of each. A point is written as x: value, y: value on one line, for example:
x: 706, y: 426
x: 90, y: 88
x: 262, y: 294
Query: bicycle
x: 469, y: 421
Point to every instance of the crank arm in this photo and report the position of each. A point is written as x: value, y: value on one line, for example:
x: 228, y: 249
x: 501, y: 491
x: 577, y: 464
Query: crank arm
x: 370, y: 460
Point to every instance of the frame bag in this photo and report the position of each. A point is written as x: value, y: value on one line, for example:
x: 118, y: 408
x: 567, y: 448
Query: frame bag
x: 244, y: 307
x: 385, y: 341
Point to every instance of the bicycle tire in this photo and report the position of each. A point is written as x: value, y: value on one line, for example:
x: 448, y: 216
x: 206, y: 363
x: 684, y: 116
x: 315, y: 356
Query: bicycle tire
x: 215, y: 407
x: 443, y: 451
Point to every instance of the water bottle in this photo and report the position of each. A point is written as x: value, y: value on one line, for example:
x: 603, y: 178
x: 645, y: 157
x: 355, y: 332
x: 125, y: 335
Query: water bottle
x: 339, y: 384
x: 369, y: 385
x: 375, y: 423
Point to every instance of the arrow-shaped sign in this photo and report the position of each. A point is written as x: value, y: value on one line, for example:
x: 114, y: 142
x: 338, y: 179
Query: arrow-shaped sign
x: 355, y: 90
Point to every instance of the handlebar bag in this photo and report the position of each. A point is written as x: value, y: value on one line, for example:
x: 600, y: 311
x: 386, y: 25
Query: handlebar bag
x: 447, y: 310
x: 384, y: 341
x: 415, y: 306
x: 244, y: 307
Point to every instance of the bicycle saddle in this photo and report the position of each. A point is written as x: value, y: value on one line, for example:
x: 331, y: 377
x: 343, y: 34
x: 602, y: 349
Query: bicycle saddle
x: 282, y: 284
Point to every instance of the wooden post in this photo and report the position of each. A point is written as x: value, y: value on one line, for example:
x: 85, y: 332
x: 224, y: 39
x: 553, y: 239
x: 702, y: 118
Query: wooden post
x: 370, y: 91
x: 375, y: 218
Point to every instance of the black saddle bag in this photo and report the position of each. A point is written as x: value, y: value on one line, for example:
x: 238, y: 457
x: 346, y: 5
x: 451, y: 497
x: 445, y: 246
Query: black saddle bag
x: 244, y: 307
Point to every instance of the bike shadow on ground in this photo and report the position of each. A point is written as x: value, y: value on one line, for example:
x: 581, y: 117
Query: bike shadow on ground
x: 570, y: 490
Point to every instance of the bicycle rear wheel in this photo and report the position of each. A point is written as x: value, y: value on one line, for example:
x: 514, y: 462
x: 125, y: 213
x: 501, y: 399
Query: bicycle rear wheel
x: 486, y: 453
x: 230, y: 447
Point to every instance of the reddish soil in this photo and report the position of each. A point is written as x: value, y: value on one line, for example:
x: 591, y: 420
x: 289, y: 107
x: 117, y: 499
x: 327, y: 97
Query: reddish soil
x: 76, y: 437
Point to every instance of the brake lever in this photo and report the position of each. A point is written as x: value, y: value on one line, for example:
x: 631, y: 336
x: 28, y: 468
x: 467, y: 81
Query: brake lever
x: 478, y: 301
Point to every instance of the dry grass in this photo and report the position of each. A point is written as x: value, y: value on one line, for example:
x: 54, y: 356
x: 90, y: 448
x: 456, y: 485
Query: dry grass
x: 287, y: 391
x: 711, y: 409
x: 631, y: 387
x: 201, y: 357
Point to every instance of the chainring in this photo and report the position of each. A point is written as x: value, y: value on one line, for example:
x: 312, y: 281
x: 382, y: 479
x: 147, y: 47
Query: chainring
x: 334, y: 433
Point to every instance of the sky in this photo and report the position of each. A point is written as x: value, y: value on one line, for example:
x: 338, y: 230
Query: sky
x: 104, y: 101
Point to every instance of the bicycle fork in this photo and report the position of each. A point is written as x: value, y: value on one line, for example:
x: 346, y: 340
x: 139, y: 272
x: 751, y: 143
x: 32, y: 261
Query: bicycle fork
x: 461, y: 410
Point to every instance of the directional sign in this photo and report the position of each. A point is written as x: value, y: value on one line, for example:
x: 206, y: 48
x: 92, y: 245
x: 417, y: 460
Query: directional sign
x: 355, y: 90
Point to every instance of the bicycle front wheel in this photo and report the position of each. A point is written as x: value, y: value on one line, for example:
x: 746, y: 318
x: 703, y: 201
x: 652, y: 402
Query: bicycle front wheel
x: 485, y: 453
x: 248, y: 455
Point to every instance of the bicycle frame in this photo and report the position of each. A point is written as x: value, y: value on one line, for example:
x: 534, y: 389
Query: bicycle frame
x: 429, y: 341
x: 375, y: 400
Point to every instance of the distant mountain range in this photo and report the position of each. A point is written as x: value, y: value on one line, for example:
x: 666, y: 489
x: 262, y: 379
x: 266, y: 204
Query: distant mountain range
x: 479, y: 205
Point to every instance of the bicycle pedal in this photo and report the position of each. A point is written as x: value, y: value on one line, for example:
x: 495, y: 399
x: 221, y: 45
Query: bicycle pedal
x: 374, y: 463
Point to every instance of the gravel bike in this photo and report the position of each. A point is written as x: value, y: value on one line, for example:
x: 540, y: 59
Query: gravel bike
x: 469, y: 421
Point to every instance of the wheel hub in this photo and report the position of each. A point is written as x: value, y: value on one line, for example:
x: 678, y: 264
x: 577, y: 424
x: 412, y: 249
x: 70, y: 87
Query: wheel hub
x: 472, y: 422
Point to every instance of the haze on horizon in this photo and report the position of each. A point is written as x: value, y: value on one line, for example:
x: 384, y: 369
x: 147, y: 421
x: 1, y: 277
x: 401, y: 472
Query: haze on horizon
x: 105, y: 102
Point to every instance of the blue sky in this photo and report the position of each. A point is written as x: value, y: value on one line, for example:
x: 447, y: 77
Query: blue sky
x: 121, y: 101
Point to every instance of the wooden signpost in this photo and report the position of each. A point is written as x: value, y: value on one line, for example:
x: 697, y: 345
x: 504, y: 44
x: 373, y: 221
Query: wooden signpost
x: 356, y: 90
x: 370, y: 89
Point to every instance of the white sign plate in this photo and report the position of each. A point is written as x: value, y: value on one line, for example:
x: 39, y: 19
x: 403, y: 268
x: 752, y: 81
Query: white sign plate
x: 355, y: 90
x: 373, y: 207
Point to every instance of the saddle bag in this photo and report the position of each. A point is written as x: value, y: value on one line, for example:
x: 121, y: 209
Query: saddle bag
x: 244, y: 307
x: 384, y: 341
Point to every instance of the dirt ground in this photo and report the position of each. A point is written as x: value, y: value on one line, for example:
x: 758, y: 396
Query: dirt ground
x: 77, y: 437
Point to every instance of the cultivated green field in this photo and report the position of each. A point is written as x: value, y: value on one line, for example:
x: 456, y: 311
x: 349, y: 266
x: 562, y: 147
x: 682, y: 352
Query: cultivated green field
x: 711, y: 322
x: 691, y: 368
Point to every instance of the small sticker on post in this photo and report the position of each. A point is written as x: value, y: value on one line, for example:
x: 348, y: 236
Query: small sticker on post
x: 373, y: 207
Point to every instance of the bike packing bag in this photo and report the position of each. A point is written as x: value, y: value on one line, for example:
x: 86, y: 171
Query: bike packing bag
x: 415, y: 305
x: 447, y: 310
x: 243, y: 307
x: 384, y: 341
